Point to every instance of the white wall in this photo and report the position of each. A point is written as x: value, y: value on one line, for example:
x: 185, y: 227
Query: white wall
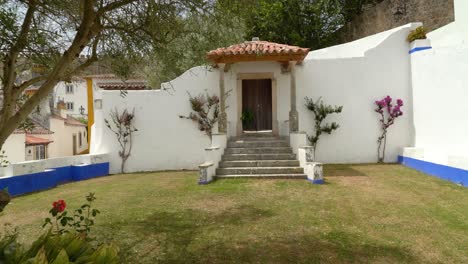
x: 440, y: 84
x: 79, y: 97
x: 353, y: 75
x: 356, y: 83
x: 14, y: 147
x: 63, y: 138
x: 163, y: 141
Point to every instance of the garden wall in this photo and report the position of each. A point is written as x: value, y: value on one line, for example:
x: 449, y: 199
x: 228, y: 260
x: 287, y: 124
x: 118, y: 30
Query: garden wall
x: 353, y: 75
x: 32, y: 176
x: 440, y: 84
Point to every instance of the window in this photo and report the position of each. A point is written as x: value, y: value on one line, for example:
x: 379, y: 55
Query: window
x: 80, y: 140
x: 69, y: 105
x: 40, y: 152
x: 69, y: 88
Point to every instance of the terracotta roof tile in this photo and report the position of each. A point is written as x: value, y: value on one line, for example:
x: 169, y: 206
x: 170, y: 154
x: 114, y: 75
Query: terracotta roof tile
x: 257, y: 51
x: 128, y: 85
x: 32, y: 140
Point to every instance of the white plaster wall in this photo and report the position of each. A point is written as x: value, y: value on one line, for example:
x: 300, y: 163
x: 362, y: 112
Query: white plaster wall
x: 14, y: 148
x: 79, y: 97
x: 440, y: 84
x: 356, y: 83
x: 163, y: 141
x: 63, y: 138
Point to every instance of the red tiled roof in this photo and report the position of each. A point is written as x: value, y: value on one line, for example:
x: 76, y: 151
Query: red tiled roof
x: 32, y: 140
x: 70, y: 121
x: 257, y: 51
x: 129, y: 85
x: 38, y: 129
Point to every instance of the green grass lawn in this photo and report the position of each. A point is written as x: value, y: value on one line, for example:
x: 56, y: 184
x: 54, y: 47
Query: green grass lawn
x: 363, y: 214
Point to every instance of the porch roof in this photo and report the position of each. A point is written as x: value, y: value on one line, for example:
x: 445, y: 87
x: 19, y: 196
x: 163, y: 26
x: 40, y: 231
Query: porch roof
x: 257, y: 50
x: 32, y: 140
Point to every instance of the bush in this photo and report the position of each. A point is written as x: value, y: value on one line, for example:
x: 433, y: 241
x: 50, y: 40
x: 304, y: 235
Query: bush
x: 49, y: 248
x: 418, y: 33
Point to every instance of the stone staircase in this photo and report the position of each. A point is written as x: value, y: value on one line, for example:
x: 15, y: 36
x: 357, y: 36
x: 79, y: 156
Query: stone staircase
x: 259, y: 155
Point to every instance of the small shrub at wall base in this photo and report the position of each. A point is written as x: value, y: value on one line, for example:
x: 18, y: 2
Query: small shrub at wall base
x: 205, y: 112
x: 122, y: 125
x: 388, y: 114
x: 418, y: 33
x: 247, y: 118
x: 321, y: 111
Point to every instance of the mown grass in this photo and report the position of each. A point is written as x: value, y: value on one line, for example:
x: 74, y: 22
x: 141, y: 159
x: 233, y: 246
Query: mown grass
x: 363, y: 214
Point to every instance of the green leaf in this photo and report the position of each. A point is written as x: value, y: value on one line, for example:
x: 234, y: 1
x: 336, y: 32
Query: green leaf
x: 62, y: 258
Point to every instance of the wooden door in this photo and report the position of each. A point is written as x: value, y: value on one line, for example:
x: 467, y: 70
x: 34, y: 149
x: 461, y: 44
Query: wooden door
x: 74, y: 145
x: 257, y: 99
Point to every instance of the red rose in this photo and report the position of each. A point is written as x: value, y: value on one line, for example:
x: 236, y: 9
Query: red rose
x: 59, y: 206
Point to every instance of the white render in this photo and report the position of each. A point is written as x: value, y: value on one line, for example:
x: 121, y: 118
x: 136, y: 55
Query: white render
x: 15, y: 148
x: 353, y: 75
x: 440, y: 88
x: 63, y: 138
x: 79, y: 96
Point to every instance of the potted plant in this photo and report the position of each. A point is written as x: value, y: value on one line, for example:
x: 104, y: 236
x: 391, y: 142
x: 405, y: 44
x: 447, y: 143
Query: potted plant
x: 418, y: 40
x: 247, y: 119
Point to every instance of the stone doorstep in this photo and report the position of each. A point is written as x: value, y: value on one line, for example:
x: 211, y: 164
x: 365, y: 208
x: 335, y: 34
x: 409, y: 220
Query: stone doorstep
x: 273, y: 150
x: 260, y: 139
x: 247, y: 157
x: 260, y: 170
x: 247, y: 144
x: 259, y: 163
x: 262, y: 176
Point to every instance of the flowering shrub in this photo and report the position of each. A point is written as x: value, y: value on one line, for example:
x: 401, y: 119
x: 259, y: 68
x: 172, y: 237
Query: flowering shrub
x: 205, y: 112
x: 81, y: 221
x: 388, y: 114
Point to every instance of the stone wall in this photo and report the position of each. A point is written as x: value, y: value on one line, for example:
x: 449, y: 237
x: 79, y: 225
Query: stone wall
x: 394, y: 13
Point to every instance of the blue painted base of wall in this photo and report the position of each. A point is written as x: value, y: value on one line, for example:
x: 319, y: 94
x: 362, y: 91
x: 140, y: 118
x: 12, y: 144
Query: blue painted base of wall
x: 419, y: 49
x: 28, y: 183
x: 452, y: 174
x: 317, y: 181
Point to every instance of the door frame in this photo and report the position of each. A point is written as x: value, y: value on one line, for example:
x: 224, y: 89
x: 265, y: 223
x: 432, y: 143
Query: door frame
x: 274, y: 99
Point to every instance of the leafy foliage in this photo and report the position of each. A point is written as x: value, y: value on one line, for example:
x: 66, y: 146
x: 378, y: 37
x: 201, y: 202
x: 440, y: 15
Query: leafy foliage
x: 5, y: 199
x: 61, y: 249
x: 303, y: 23
x: 247, y: 118
x: 205, y: 112
x: 321, y: 111
x: 80, y: 222
x: 418, y: 33
x: 3, y: 159
x: 123, y: 128
x: 388, y: 114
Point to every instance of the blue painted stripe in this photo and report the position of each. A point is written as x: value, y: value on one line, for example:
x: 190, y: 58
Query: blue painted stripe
x: 455, y: 175
x: 28, y: 183
x: 419, y: 49
x: 317, y: 181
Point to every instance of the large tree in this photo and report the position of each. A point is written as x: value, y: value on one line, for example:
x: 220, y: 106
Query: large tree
x: 50, y: 35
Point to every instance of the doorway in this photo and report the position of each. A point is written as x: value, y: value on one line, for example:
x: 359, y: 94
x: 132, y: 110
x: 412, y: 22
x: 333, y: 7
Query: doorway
x: 257, y: 105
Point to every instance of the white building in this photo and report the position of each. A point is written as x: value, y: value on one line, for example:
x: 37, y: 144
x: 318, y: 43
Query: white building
x: 75, y: 96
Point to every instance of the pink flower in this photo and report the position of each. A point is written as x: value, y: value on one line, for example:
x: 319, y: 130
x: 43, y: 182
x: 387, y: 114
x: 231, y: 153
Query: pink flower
x: 400, y: 102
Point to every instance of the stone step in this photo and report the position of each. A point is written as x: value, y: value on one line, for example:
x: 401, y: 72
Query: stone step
x: 256, y: 144
x: 273, y: 150
x: 259, y: 163
x: 259, y: 170
x: 256, y: 139
x: 257, y: 134
x: 282, y: 156
x: 262, y: 176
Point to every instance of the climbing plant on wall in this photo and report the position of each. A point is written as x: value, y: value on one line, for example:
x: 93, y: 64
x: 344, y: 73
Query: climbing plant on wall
x: 122, y: 125
x: 321, y: 111
x: 205, y: 112
x: 388, y: 114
